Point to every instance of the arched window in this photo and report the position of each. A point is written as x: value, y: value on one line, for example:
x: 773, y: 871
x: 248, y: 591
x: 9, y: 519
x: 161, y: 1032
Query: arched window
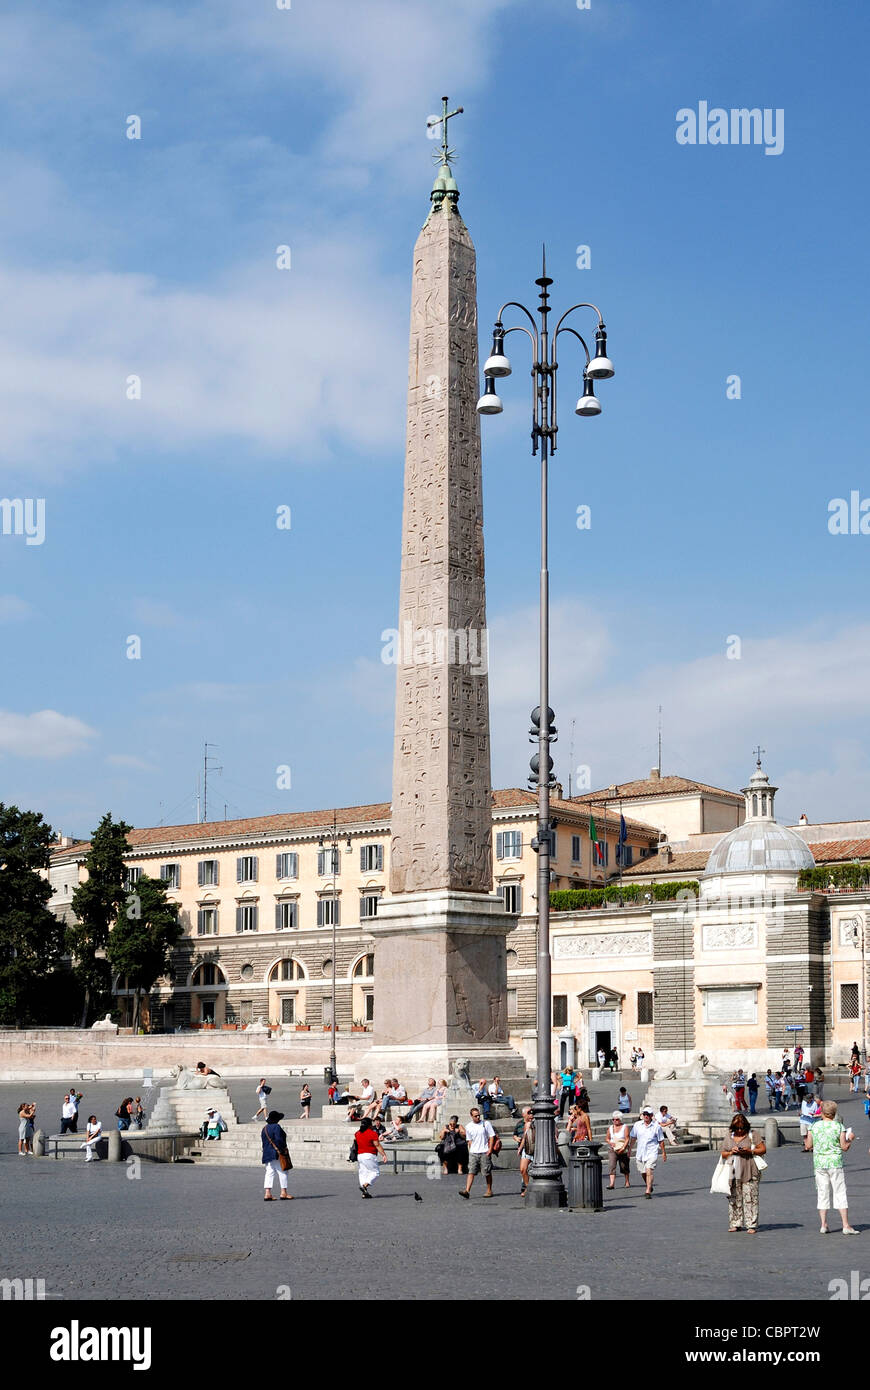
x: 208, y: 974
x: 755, y: 803
x: 286, y: 970
x: 764, y: 803
x: 364, y: 968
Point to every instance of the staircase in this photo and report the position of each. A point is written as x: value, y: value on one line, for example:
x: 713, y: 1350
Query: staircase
x: 182, y: 1112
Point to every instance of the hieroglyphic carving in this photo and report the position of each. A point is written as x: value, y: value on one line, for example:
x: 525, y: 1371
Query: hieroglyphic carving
x: 442, y: 818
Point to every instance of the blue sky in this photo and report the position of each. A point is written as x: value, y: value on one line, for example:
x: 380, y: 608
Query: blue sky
x: 260, y: 388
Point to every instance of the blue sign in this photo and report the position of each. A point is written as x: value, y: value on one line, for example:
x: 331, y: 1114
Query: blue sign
x: 794, y: 1027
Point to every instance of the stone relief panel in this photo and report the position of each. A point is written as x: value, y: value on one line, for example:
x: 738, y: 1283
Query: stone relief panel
x: 849, y: 926
x: 604, y: 944
x: 729, y: 936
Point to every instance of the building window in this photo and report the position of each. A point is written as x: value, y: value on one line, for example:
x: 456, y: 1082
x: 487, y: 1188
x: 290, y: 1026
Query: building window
x: 370, y: 1008
x: 288, y: 1008
x: 576, y: 849
x: 288, y: 969
x: 287, y: 865
x: 364, y: 968
x: 600, y: 854
x: 509, y: 844
x: 328, y: 862
x: 371, y: 859
x: 207, y: 873
x: 286, y: 916
x: 368, y: 905
x: 644, y: 1006
x: 512, y: 1008
x: 246, y: 1011
x: 328, y: 912
x: 133, y: 876
x: 560, y: 1011
x: 207, y: 974
x: 512, y: 896
x: 246, y: 868
x: 207, y: 921
x: 625, y: 855
x: 849, y: 1001
x: 247, y: 917
x: 172, y: 874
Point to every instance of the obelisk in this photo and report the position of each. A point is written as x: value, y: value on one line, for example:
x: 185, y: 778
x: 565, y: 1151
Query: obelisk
x: 440, y: 960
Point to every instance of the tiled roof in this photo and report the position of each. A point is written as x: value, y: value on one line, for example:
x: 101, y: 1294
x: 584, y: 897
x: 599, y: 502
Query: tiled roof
x: 659, y: 786
x: 294, y: 821
x: 577, y: 807
x: 837, y: 851
x: 688, y: 862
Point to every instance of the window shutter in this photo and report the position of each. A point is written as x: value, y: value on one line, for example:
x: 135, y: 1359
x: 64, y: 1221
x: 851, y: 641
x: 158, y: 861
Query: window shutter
x: 278, y: 858
x: 294, y: 865
x: 380, y: 858
x: 238, y: 919
x: 519, y: 897
x: 320, y: 912
x: 255, y: 917
x: 255, y: 864
x: 238, y: 871
x: 200, y: 920
x: 200, y: 874
x: 499, y: 845
x: 362, y: 859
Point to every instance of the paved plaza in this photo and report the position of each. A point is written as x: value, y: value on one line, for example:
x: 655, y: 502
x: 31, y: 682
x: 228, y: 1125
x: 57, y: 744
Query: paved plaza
x: 184, y: 1232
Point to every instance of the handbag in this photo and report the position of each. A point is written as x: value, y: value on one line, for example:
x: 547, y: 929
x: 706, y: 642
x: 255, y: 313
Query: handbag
x: 721, y: 1183
x: 354, y: 1152
x: 760, y: 1163
x: 285, y: 1163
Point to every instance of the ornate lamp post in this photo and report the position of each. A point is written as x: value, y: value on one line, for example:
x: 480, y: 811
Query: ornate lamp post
x: 546, y: 1188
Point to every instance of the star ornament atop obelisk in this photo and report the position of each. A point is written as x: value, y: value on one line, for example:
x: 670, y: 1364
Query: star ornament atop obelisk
x: 440, y: 936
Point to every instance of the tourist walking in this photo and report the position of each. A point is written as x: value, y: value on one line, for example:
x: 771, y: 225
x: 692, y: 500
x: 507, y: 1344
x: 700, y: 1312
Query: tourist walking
x: 855, y: 1072
x: 452, y: 1147
x: 26, y: 1119
x: 276, y: 1158
x: 828, y: 1140
x: 619, y: 1144
x: 305, y: 1102
x: 481, y: 1139
x: 623, y: 1101
x: 263, y: 1093
x: 739, y: 1152
x: 369, y: 1153
x: 738, y: 1081
x: 810, y: 1112
x: 93, y: 1135
x: 820, y: 1083
x: 602, y: 1058
x: 752, y: 1090
x: 770, y: 1087
x: 650, y: 1141
x: 526, y: 1147
x: 566, y: 1092
x: 124, y: 1113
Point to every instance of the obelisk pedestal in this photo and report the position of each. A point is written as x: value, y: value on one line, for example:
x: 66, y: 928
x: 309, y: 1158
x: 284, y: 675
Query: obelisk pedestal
x: 440, y: 958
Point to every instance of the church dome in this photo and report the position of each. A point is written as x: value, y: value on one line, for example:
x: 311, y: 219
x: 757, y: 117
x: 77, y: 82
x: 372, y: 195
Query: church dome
x: 759, y: 844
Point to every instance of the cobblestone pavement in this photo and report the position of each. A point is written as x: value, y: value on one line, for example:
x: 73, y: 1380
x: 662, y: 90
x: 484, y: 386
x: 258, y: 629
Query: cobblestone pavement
x: 183, y: 1232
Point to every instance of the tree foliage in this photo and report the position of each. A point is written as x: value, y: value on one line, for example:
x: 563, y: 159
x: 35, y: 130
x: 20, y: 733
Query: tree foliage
x: 141, y: 942
x: 31, y: 937
x: 571, y: 899
x: 96, y: 904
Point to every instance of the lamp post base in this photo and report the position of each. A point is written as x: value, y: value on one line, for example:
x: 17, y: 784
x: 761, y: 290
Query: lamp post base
x: 546, y: 1192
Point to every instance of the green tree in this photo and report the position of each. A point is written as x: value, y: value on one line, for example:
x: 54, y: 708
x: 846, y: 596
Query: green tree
x: 96, y: 904
x: 141, y: 941
x: 31, y: 937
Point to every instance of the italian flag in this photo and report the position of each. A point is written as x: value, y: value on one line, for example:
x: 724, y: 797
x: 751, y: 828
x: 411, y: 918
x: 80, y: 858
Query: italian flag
x: 597, y: 854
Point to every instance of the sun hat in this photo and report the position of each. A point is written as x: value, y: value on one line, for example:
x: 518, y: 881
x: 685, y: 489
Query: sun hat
x: 274, y: 1116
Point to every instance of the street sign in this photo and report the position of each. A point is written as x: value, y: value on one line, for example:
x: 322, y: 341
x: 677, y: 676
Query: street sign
x: 794, y: 1027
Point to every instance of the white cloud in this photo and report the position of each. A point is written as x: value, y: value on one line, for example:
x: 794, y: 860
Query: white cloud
x: 129, y: 760
x: 45, y: 734
x: 13, y: 609
x: 300, y: 361
x: 803, y: 694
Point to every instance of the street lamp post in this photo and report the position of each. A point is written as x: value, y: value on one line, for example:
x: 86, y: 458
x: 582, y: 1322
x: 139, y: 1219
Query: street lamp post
x: 546, y: 1188
x: 333, y: 850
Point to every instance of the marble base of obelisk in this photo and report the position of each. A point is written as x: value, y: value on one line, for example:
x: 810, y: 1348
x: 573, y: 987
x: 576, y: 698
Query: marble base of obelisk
x: 443, y: 952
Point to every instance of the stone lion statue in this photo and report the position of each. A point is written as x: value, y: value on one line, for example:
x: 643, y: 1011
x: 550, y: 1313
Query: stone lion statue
x: 693, y: 1071
x: 460, y: 1070
x: 187, y: 1080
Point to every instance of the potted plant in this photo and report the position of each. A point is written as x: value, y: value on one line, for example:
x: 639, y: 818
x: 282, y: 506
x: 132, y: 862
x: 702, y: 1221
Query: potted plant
x: 359, y: 1026
x: 303, y: 1026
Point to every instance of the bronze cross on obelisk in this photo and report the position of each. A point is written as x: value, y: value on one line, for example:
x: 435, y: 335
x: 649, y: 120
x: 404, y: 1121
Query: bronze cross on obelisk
x: 446, y: 154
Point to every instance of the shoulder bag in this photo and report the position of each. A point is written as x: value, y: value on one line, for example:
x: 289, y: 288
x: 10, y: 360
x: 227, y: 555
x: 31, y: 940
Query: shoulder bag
x: 284, y: 1161
x: 721, y: 1183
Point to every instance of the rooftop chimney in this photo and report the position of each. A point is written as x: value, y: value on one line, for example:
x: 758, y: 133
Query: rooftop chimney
x: 654, y: 774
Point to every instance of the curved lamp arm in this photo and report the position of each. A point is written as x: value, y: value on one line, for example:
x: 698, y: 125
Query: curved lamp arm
x: 579, y: 306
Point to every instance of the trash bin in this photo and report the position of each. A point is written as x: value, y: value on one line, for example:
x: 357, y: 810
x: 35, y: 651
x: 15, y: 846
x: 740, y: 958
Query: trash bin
x: 585, y: 1191
x: 327, y: 1076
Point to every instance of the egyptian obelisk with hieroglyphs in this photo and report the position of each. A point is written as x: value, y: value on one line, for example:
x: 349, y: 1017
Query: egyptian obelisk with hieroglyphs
x: 440, y: 939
